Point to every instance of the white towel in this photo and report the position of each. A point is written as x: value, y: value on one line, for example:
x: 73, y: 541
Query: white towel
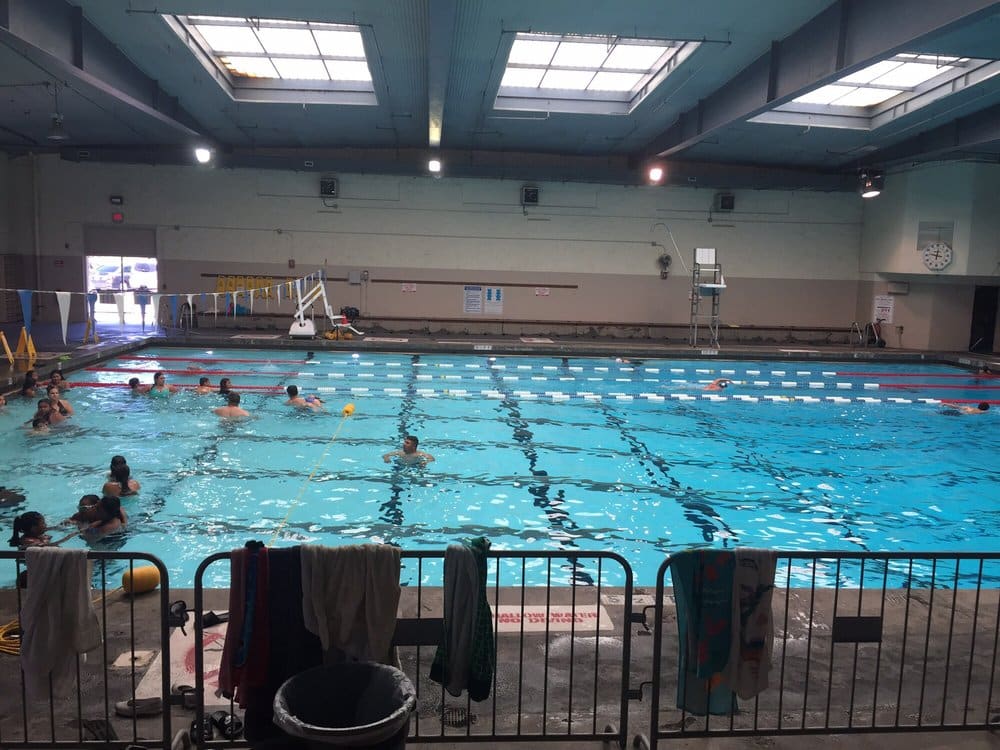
x: 57, y: 619
x: 349, y: 598
x: 753, y: 624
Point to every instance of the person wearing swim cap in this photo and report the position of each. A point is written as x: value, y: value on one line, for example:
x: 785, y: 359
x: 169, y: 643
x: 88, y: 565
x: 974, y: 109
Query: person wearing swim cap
x: 719, y: 384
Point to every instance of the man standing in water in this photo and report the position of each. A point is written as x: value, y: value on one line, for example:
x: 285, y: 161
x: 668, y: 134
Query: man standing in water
x: 409, y: 454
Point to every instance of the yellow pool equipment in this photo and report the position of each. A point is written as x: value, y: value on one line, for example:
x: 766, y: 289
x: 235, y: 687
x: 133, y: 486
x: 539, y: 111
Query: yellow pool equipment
x: 348, y: 410
x: 140, y: 580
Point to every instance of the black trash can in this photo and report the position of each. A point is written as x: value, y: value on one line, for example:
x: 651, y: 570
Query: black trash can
x: 363, y: 705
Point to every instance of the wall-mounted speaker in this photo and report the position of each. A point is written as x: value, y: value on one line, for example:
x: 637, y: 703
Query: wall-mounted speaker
x: 328, y: 187
x: 529, y: 195
x: 898, y: 287
x: 725, y: 202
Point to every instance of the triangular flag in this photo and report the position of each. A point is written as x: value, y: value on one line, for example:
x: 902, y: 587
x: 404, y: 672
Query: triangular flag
x: 63, y: 298
x: 155, y: 302
x: 120, y: 303
x: 204, y: 300
x: 250, y: 303
x: 278, y: 287
x: 191, y: 310
x: 173, y: 309
x: 91, y: 303
x: 215, y: 304
x: 25, y: 295
x: 229, y: 302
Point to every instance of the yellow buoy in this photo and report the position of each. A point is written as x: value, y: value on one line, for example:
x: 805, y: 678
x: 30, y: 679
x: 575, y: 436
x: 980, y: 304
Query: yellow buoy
x: 140, y: 580
x: 348, y: 410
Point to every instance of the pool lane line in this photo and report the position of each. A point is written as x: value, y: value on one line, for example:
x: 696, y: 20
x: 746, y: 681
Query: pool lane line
x: 183, y: 386
x: 347, y: 411
x: 198, y: 373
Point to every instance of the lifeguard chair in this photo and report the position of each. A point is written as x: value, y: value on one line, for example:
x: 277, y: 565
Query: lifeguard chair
x: 305, y: 328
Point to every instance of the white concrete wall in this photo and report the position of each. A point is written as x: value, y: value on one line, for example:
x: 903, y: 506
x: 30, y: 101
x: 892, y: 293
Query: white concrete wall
x: 789, y: 258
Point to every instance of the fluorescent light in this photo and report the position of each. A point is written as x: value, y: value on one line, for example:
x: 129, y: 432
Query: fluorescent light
x: 434, y: 166
x: 655, y: 174
x: 869, y: 74
x: 203, y: 155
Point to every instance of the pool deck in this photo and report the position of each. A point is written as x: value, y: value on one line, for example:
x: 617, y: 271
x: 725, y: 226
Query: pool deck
x: 142, y: 616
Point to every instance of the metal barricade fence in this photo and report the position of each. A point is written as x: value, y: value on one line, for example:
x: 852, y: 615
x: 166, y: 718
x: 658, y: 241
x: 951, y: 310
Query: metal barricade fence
x: 863, y: 642
x: 134, y: 637
x: 562, y: 624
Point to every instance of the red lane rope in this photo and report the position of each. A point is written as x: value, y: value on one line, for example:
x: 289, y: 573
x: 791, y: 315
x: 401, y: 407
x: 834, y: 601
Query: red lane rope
x: 939, y: 386
x: 204, y: 359
x: 194, y: 373
x: 968, y: 376
x: 187, y: 386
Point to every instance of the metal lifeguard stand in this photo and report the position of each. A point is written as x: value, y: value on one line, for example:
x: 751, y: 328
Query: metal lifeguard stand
x: 707, y: 283
x: 304, y: 327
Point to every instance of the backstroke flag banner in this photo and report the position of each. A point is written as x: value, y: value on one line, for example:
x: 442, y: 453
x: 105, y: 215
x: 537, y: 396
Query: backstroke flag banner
x: 120, y: 304
x: 25, y: 295
x: 63, y: 298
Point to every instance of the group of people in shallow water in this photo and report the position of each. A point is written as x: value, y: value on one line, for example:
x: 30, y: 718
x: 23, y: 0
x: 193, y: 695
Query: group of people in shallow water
x: 96, y: 515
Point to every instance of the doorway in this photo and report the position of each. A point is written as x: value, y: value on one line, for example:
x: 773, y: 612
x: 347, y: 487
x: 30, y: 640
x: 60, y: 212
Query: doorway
x: 135, y: 276
x: 984, y: 319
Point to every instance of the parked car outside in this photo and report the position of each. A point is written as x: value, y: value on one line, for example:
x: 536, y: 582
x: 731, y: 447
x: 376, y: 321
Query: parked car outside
x: 143, y: 274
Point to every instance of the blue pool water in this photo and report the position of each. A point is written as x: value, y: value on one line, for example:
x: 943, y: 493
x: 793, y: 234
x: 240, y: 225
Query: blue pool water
x: 533, y: 452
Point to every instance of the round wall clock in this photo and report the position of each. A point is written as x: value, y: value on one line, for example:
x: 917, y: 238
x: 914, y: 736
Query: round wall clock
x: 936, y: 255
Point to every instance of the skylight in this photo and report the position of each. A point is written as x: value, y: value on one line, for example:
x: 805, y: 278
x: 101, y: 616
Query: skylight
x: 594, y: 74
x: 260, y: 54
x: 870, y: 97
x: 880, y: 82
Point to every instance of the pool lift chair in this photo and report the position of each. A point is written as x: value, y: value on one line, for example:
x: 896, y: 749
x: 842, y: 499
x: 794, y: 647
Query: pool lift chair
x: 305, y: 328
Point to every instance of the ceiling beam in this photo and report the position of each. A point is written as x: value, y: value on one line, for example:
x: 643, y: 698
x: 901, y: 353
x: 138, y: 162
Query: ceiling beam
x: 965, y: 134
x: 844, y: 38
x: 57, y: 39
x: 440, y: 38
x: 508, y: 165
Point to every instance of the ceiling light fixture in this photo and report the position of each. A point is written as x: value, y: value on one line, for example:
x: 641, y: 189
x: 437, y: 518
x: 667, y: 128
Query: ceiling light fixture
x: 655, y: 175
x: 203, y: 155
x: 57, y: 131
x: 434, y: 166
x: 870, y: 183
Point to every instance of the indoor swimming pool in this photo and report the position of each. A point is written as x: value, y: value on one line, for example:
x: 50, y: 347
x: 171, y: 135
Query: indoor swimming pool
x: 540, y: 452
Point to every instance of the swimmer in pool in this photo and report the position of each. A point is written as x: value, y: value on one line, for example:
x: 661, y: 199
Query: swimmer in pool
x: 110, y: 518
x: 58, y: 403
x: 204, y: 386
x: 135, y: 387
x: 719, y: 384
x: 224, y: 385
x: 160, y: 389
x: 980, y: 408
x: 409, y: 453
x: 294, y: 399
x: 232, y: 408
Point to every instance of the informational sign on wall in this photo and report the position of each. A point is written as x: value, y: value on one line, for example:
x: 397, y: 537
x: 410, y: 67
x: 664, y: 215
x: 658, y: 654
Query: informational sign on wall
x: 541, y: 291
x: 408, y: 287
x: 472, y: 300
x: 494, y: 300
x: 884, y: 304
